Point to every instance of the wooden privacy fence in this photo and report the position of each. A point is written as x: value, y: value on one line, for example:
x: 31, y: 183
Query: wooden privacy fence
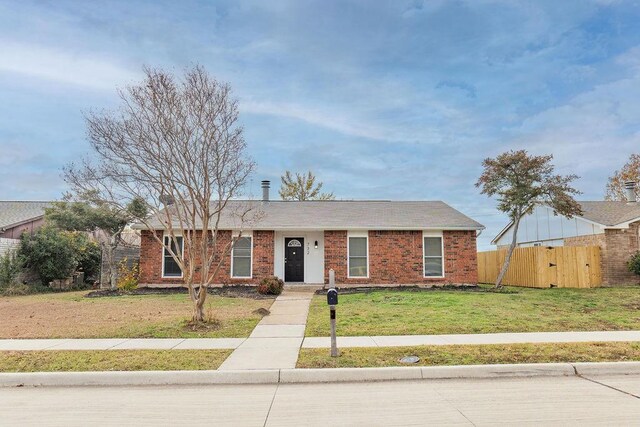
x: 544, y: 267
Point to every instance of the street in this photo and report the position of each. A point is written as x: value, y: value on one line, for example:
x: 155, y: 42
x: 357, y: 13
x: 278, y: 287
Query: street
x: 612, y: 400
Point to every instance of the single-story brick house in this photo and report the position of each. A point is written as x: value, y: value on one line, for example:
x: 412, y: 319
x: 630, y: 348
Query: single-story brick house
x: 614, y: 226
x: 364, y: 242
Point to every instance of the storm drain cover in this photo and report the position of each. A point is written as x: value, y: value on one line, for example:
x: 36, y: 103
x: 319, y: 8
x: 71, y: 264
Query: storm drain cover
x: 410, y: 359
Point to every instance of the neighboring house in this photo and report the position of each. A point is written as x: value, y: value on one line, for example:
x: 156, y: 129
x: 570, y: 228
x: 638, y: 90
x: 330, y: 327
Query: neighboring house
x: 611, y: 225
x: 364, y: 242
x: 17, y: 217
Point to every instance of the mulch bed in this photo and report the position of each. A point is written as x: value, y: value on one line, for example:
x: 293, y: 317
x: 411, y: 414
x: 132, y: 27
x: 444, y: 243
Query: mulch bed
x: 225, y: 291
x: 460, y: 288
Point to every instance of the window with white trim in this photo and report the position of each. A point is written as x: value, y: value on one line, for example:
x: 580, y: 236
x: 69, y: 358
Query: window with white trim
x: 170, y: 267
x: 433, y: 265
x: 241, y: 257
x: 358, y: 254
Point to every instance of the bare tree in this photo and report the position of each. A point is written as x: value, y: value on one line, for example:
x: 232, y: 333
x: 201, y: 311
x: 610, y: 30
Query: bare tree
x: 174, y: 155
x: 522, y: 181
x: 302, y: 187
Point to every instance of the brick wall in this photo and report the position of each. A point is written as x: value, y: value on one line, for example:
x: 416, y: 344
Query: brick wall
x: 151, y: 260
x: 396, y: 257
x: 461, y: 262
x: 590, y: 240
x: 7, y: 245
x: 616, y: 246
x: 263, y: 247
x: 619, y: 246
x: 335, y: 254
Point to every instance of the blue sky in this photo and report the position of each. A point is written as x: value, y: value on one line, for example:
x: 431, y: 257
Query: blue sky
x: 381, y: 99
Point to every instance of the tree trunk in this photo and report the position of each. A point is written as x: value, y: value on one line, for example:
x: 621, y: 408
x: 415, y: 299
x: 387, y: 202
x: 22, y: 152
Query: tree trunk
x: 198, y: 314
x: 512, y: 246
x: 198, y: 308
x: 111, y: 265
x: 114, y: 275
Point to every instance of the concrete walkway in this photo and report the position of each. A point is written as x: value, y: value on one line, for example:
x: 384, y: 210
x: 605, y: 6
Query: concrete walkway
x: 120, y: 344
x: 284, y: 329
x: 502, y: 338
x: 276, y: 340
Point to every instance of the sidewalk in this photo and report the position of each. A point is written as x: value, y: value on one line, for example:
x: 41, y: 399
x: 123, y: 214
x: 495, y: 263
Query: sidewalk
x: 275, y: 342
x: 461, y: 339
x: 120, y: 344
x: 284, y: 329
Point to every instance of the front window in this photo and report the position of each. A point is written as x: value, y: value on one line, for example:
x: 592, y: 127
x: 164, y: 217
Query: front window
x: 241, y: 257
x: 170, y: 266
x: 433, y: 257
x: 358, y: 263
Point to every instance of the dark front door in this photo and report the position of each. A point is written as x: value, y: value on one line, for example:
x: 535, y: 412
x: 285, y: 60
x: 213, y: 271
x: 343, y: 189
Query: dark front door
x: 293, y: 259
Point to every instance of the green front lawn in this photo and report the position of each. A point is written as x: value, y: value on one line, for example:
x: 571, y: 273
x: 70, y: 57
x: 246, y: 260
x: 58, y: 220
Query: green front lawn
x: 471, y: 354
x: 71, y: 315
x: 111, y: 360
x: 406, y: 312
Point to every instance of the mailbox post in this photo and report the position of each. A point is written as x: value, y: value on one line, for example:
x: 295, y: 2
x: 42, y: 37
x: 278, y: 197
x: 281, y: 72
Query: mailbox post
x: 332, y: 301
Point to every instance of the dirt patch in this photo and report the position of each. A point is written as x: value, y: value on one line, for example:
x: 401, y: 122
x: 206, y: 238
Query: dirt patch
x: 261, y: 312
x: 211, y: 325
x: 71, y: 315
x: 105, y: 293
x: 632, y: 305
x: 460, y: 288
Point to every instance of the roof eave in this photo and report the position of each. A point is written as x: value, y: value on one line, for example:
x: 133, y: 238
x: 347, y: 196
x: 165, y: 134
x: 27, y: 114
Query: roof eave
x: 399, y: 228
x: 19, y: 223
x: 622, y: 225
x: 501, y: 233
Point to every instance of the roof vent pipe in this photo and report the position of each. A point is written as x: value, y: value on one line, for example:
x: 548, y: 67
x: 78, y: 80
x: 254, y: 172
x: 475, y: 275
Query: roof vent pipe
x: 265, y: 190
x: 630, y: 189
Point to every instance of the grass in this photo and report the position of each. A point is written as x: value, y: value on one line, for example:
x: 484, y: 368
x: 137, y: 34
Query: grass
x: 405, y: 312
x: 71, y: 315
x: 111, y: 360
x: 471, y: 354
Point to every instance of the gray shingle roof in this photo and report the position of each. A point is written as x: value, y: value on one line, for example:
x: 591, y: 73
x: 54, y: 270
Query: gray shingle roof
x: 16, y: 212
x: 332, y: 215
x: 610, y: 213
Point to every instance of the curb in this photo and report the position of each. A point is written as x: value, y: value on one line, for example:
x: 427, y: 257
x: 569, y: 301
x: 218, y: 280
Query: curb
x: 607, y: 368
x: 499, y: 371
x: 297, y: 376
x: 137, y: 378
x: 336, y: 375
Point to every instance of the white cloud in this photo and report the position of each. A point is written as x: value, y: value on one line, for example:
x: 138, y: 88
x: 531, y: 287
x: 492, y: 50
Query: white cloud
x: 61, y: 66
x: 337, y: 122
x: 592, y: 134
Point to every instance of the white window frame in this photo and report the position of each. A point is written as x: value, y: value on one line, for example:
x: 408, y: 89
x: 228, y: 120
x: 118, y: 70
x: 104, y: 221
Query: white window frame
x: 351, y: 234
x: 424, y: 254
x: 250, y: 276
x: 164, y: 237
